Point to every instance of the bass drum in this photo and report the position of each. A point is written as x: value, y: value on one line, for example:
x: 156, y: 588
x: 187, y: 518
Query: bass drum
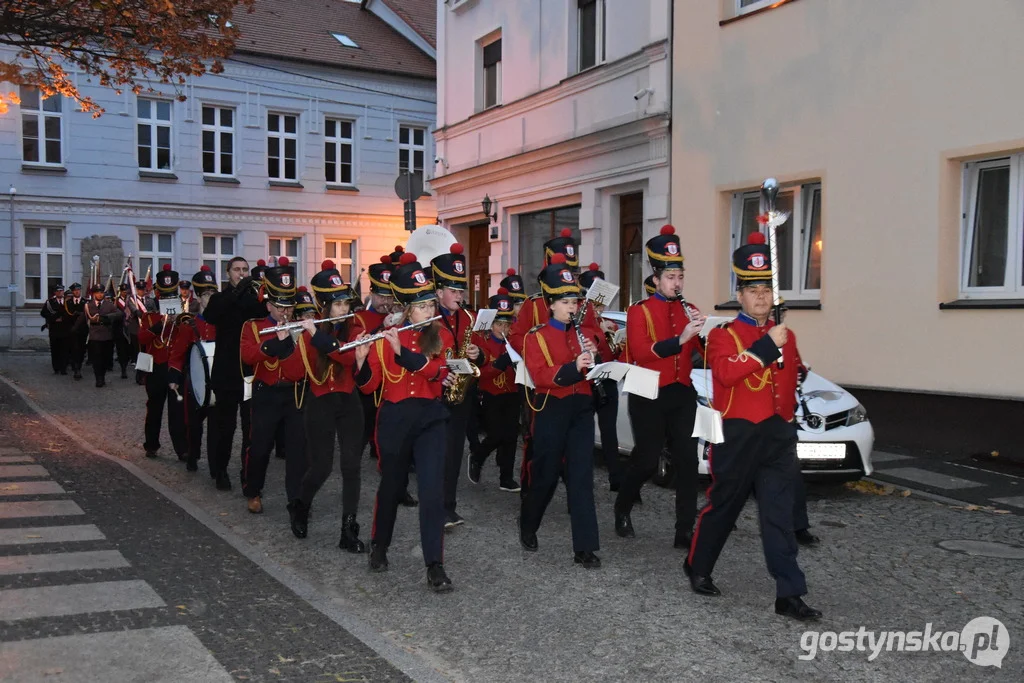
x: 199, y: 368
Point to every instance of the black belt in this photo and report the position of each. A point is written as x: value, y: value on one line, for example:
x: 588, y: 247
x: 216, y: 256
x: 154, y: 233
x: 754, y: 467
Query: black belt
x: 276, y: 385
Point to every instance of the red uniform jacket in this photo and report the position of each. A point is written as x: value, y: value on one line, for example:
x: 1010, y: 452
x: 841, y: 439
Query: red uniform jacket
x: 339, y: 375
x: 409, y: 375
x: 367, y: 321
x: 748, y: 382
x: 185, y: 337
x: 158, y: 343
x: 534, y: 312
x: 550, y: 352
x: 497, y: 372
x: 456, y: 323
x: 273, y: 361
x: 653, y: 327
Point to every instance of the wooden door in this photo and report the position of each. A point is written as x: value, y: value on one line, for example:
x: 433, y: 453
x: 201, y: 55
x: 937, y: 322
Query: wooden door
x: 477, y: 259
x: 631, y: 248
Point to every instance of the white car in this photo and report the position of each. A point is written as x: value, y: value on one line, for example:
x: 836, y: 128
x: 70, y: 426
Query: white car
x: 835, y: 439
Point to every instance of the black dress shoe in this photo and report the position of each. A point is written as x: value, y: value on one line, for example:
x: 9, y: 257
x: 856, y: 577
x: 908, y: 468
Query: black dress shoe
x: 437, y: 580
x: 350, y: 536
x: 124, y: 374
x: 78, y: 375
x: 806, y: 538
x: 191, y: 465
x: 613, y: 486
x: 588, y: 559
x: 473, y: 470
x: 223, y: 481
x: 298, y: 514
x: 378, y: 558
x: 528, y: 541
x: 150, y: 453
x: 182, y: 457
x: 100, y: 383
x: 408, y: 501
x: 796, y: 608
x: 683, y: 541
x: 701, y: 585
x: 624, y: 526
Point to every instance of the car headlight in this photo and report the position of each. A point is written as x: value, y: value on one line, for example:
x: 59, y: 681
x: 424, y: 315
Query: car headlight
x: 857, y: 415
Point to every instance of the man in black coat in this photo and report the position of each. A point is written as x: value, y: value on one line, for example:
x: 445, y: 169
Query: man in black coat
x: 57, y: 324
x: 74, y: 305
x: 228, y: 311
x: 100, y: 314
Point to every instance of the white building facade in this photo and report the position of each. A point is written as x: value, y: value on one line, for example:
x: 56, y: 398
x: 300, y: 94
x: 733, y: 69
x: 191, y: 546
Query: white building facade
x: 558, y: 112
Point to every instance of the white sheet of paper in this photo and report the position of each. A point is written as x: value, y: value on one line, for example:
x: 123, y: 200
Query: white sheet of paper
x: 708, y: 425
x: 247, y: 387
x: 619, y: 336
x: 612, y: 370
x: 523, y: 376
x: 144, y: 363
x: 512, y: 353
x: 460, y: 366
x: 712, y: 322
x: 484, y: 318
x: 170, y: 306
x: 602, y: 292
x: 641, y: 382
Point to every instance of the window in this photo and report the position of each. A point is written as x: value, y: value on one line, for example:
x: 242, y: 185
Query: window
x: 747, y: 6
x: 492, y: 73
x: 992, y: 253
x: 590, y: 32
x: 282, y: 146
x: 537, y: 228
x: 286, y: 246
x: 412, y: 148
x: 340, y: 251
x: 156, y: 249
x: 217, y: 251
x: 218, y: 141
x: 44, y: 261
x: 41, y: 128
x: 345, y: 40
x: 799, y: 239
x: 154, y: 131
x: 339, y: 160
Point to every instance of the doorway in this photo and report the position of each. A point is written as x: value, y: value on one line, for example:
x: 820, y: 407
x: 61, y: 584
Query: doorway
x: 631, y: 241
x: 478, y: 260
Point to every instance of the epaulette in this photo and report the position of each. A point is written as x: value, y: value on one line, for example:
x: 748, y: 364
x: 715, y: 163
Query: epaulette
x: 536, y: 327
x: 535, y: 296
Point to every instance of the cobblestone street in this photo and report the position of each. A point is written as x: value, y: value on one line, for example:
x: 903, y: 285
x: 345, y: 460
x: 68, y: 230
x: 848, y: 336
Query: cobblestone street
x: 514, y: 615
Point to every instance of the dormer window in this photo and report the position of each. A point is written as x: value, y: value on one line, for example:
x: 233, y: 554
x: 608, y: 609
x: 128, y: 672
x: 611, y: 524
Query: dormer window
x: 344, y: 40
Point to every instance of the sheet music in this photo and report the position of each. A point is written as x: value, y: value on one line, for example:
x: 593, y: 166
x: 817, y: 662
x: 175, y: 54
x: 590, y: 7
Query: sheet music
x: 484, y: 318
x: 641, y: 382
x: 170, y: 306
x: 712, y: 322
x: 512, y: 353
x: 460, y: 366
x: 602, y: 292
x: 619, y: 336
x: 523, y: 376
x: 611, y: 370
x: 708, y: 425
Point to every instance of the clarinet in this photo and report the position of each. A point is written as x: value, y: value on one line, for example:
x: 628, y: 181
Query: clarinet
x: 598, y: 387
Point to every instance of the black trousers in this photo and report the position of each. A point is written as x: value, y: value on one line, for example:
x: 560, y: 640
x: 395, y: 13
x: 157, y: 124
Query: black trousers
x: 335, y: 418
x: 412, y: 430
x: 124, y: 350
x: 369, y: 424
x: 606, y: 423
x: 477, y: 421
x: 501, y: 413
x: 157, y: 394
x: 195, y: 415
x: 133, y: 347
x: 222, y: 425
x: 59, y: 353
x: 667, y: 419
x: 761, y: 459
x: 455, y: 445
x: 76, y: 349
x: 98, y: 351
x: 273, y: 408
x: 563, y: 442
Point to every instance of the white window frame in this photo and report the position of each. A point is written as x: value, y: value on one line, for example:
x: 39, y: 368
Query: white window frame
x: 339, y: 260
x: 296, y: 259
x: 411, y: 147
x: 752, y: 7
x: 799, y: 223
x: 484, y: 44
x: 1012, y: 287
x: 156, y: 255
x: 338, y: 142
x: 154, y: 123
x: 219, y: 257
x: 43, y: 250
x: 218, y: 129
x: 280, y: 138
x: 600, y: 36
x: 40, y: 114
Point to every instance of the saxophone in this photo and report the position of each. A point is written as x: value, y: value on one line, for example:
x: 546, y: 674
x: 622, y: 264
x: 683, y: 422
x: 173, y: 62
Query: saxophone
x: 455, y: 393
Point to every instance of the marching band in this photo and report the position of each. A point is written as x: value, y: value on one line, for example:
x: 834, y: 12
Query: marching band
x: 317, y: 371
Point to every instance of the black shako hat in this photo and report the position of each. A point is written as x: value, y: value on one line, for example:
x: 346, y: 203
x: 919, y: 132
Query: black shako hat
x: 380, y: 276
x: 204, y: 280
x: 649, y: 286
x: 504, y: 304
x: 396, y: 256
x: 279, y: 283
x: 663, y: 250
x: 409, y: 283
x: 752, y: 262
x: 588, y: 276
x: 166, y: 282
x: 514, y: 284
x: 564, y: 244
x: 449, y: 270
x: 259, y: 271
x: 557, y: 280
x: 304, y: 302
x: 328, y: 286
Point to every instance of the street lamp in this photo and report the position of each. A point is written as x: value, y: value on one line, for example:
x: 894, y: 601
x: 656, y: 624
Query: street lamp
x: 486, y: 205
x: 13, y: 288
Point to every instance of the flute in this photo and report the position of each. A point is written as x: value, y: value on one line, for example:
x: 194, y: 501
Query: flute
x: 286, y: 327
x: 380, y: 335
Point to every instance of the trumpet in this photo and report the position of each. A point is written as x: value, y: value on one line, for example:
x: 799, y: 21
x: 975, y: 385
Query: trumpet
x: 288, y: 327
x: 380, y: 335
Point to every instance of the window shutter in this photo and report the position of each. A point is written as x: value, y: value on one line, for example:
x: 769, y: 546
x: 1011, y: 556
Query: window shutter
x: 492, y: 53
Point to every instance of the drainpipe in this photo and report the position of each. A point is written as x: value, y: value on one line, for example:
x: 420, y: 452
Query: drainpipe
x: 14, y: 271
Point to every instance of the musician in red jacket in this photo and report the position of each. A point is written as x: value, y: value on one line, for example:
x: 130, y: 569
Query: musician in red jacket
x: 332, y: 410
x: 516, y: 288
x: 275, y: 397
x: 180, y: 371
x: 757, y: 400
x: 158, y: 334
x: 408, y: 368
x: 500, y: 396
x: 535, y: 310
x: 563, y: 428
x: 371, y: 321
x: 662, y: 334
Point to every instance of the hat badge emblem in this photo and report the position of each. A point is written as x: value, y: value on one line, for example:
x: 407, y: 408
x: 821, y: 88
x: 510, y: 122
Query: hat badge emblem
x: 515, y: 285
x: 672, y: 249
x: 419, y: 277
x: 570, y: 250
x: 386, y: 276
x: 459, y: 268
x: 286, y: 279
x: 566, y: 276
x: 503, y: 305
x: 336, y: 281
x: 757, y: 262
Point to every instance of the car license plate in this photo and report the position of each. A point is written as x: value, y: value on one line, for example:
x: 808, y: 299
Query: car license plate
x: 821, y: 451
